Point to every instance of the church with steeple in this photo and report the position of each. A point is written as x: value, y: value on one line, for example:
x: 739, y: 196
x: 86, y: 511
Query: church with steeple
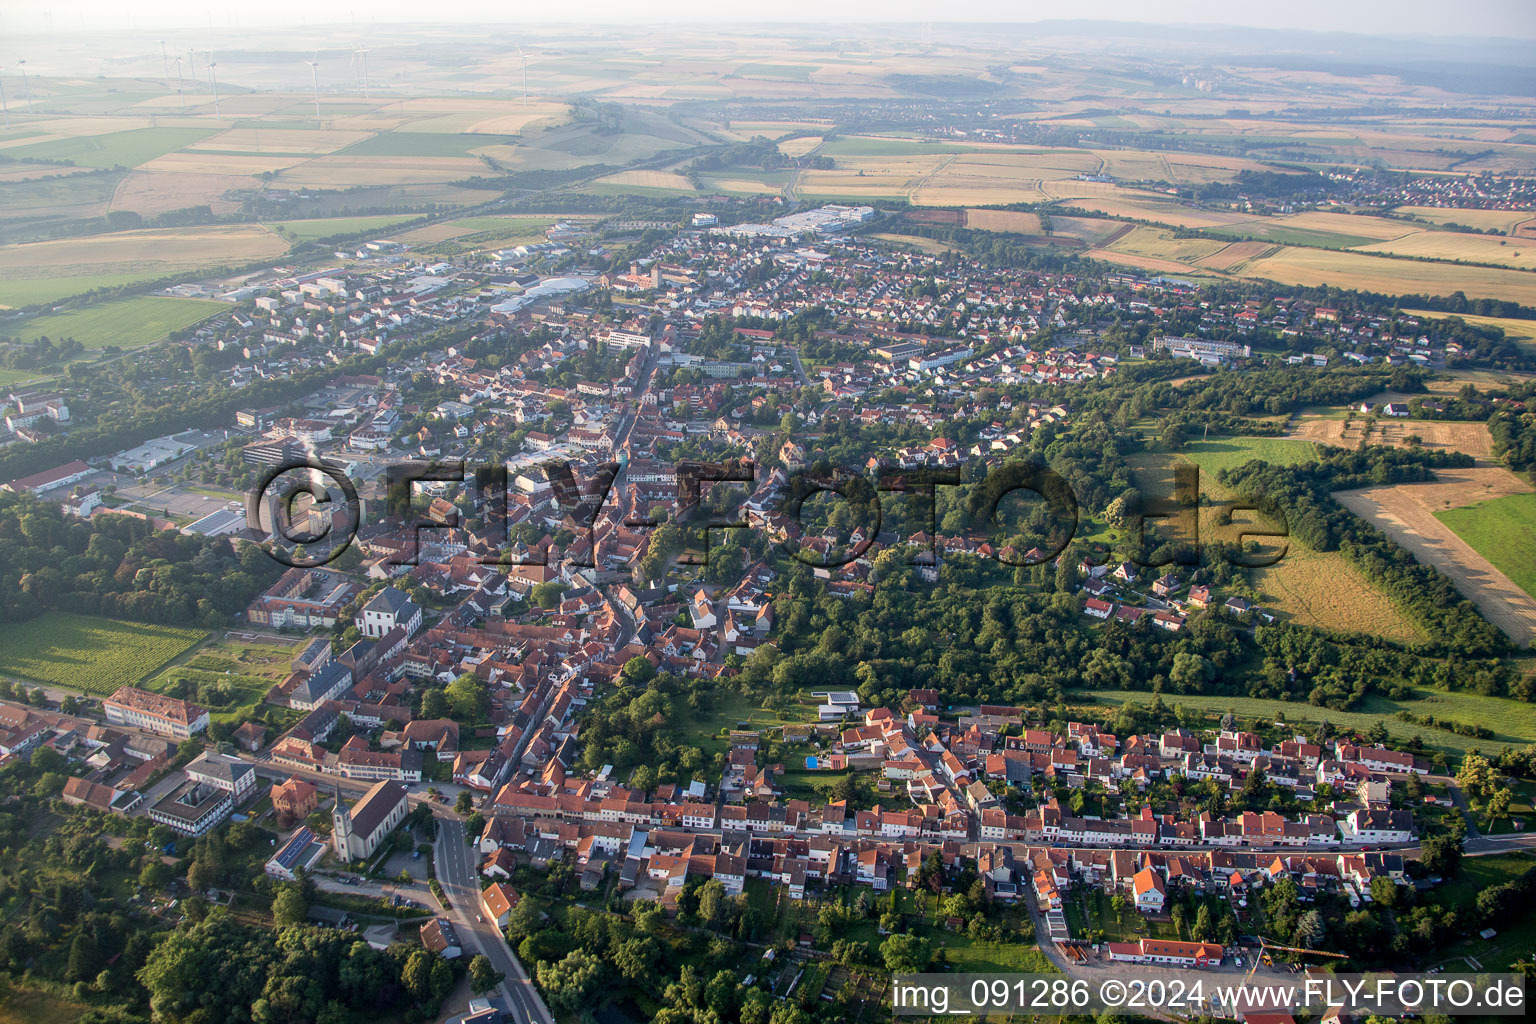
x: 357, y: 831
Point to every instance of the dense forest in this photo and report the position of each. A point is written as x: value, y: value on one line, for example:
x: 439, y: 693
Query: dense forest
x: 120, y: 566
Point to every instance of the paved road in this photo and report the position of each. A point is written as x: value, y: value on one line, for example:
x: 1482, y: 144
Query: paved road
x: 456, y: 862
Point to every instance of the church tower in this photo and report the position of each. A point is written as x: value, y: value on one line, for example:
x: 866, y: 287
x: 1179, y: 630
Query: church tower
x: 341, y: 828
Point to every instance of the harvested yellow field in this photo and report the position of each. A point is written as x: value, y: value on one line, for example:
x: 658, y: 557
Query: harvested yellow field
x: 535, y: 115
x: 1444, y: 435
x: 1298, y: 266
x: 776, y: 129
x: 1234, y: 257
x: 75, y: 127
x: 28, y: 140
x: 441, y: 232
x: 221, y: 163
x: 1198, y: 168
x: 885, y: 176
x: 1406, y: 513
x: 1321, y: 589
x: 340, y: 171
x: 1456, y: 245
x: 28, y: 171
x: 1063, y: 163
x: 167, y: 249
x: 800, y: 146
x: 1155, y: 264
x: 1018, y: 221
x: 1159, y: 243
x: 1134, y: 165
x: 1487, y: 220
x: 653, y: 179
x: 1341, y: 223
x: 279, y: 140
x: 1072, y: 189
x: 745, y: 186
x: 1148, y: 207
x: 149, y: 193
x: 1307, y: 587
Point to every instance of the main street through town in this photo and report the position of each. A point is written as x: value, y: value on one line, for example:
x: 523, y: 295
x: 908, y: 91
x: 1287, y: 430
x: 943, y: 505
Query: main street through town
x: 457, y: 863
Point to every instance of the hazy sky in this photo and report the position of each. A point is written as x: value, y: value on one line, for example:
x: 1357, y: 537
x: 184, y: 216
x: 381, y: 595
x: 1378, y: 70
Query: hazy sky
x: 1504, y: 18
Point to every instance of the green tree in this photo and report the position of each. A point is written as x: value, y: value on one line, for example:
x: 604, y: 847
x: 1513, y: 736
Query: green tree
x: 482, y: 975
x: 906, y: 954
x: 289, y: 907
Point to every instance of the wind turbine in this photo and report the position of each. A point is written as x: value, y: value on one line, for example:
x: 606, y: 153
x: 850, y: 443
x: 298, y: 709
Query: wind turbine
x: 360, y: 56
x: 180, y: 88
x: 213, y: 80
x: 25, y: 84
x: 166, y: 61
x: 3, y: 107
x: 314, y: 74
x: 523, y: 57
x: 192, y: 63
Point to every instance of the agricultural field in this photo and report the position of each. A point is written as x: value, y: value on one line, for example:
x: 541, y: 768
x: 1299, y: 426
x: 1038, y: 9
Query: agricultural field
x: 36, y: 272
x: 1485, y: 220
x: 127, y: 149
x: 124, y: 323
x: 1310, y: 267
x: 1337, y: 429
x: 88, y: 653
x: 1305, y: 586
x: 655, y: 182
x: 326, y: 227
x: 1502, y: 530
x: 1510, y: 720
x: 1157, y: 243
x: 1456, y: 245
x: 1016, y: 221
x: 1407, y: 513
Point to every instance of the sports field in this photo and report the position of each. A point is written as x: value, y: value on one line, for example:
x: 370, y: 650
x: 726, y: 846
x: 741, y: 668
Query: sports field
x: 125, y: 323
x: 84, y: 652
x: 1504, y: 532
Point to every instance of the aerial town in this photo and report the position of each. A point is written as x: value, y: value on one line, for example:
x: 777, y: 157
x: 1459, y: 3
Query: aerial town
x: 879, y: 533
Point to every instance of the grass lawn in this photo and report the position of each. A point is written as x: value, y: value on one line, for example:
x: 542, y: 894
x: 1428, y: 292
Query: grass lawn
x: 87, y: 653
x: 730, y: 708
x: 1522, y: 808
x: 1504, y: 532
x: 326, y: 227
x: 1511, y: 721
x: 9, y: 377
x: 1217, y: 454
x: 809, y: 785
x: 126, y: 323
x: 1516, y: 939
x: 28, y: 1006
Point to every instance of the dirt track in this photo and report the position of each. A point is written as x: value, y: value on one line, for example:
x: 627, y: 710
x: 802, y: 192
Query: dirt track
x: 1406, y: 513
